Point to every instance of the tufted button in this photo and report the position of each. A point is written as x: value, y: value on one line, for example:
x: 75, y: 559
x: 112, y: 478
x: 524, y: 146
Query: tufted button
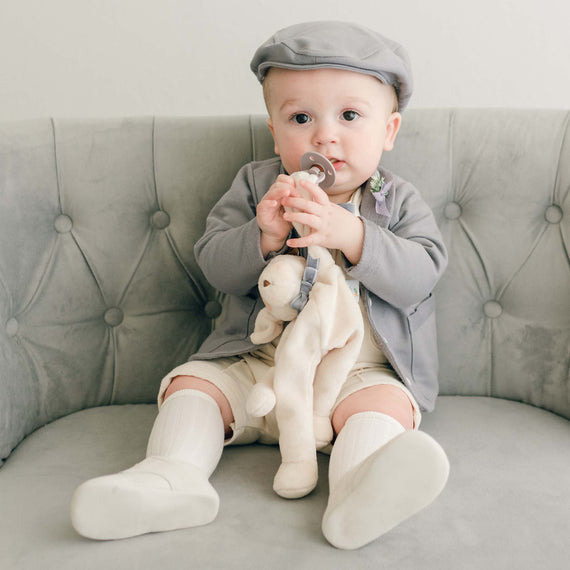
x: 452, y: 211
x: 12, y: 327
x: 160, y: 219
x: 553, y: 214
x: 114, y: 316
x: 493, y: 309
x: 63, y: 224
x: 213, y: 309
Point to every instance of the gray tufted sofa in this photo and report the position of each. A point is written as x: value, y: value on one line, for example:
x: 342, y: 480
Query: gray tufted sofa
x: 100, y: 295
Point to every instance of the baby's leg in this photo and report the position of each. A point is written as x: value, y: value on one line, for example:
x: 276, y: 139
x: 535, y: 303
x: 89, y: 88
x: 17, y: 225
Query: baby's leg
x: 194, y: 383
x: 384, y: 398
x: 170, y: 488
x: 381, y: 471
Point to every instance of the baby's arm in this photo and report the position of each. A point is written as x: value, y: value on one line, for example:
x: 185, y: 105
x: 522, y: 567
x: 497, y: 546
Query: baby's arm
x: 402, y: 264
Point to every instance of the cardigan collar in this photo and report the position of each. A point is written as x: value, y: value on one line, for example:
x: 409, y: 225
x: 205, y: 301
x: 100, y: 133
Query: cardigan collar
x: 378, y: 203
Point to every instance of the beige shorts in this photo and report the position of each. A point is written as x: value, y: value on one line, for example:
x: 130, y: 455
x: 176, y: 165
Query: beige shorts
x: 236, y: 375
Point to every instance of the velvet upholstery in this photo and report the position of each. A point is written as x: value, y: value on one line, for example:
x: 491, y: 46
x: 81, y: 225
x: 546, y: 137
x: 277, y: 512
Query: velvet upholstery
x: 100, y: 296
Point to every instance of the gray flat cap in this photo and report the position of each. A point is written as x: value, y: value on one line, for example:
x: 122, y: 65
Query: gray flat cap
x: 338, y: 45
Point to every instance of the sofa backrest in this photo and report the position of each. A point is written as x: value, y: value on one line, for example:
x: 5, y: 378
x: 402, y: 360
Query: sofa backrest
x: 499, y: 184
x: 100, y: 294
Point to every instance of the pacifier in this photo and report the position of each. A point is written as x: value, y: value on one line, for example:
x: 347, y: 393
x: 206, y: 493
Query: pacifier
x: 319, y: 166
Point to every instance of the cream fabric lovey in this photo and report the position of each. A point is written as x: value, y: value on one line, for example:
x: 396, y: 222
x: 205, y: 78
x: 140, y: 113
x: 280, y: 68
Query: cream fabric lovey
x: 317, y: 349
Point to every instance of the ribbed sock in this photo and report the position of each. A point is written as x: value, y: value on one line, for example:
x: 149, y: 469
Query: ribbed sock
x: 190, y: 428
x: 362, y: 435
x: 169, y: 489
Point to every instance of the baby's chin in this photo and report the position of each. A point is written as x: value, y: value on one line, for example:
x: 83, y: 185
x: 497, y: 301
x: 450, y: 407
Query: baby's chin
x: 340, y: 195
x: 348, y: 187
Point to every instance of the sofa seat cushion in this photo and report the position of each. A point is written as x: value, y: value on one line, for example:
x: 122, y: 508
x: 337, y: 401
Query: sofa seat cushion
x: 508, y: 486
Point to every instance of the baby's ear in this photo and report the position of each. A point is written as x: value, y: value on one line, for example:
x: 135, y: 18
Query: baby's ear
x: 272, y: 129
x: 392, y: 128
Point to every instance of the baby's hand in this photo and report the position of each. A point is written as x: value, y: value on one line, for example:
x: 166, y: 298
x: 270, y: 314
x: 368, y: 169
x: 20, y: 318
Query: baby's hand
x: 331, y: 226
x: 274, y: 228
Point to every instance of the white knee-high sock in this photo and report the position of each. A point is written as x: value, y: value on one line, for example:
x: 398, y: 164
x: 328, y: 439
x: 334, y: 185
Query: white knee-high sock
x: 189, y: 427
x: 361, y: 436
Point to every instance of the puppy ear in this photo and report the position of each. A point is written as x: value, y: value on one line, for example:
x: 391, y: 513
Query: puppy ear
x: 267, y: 327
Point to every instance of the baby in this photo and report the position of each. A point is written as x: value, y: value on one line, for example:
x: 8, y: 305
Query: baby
x: 337, y: 89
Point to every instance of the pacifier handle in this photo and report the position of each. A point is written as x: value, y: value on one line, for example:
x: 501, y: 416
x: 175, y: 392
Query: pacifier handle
x: 319, y: 165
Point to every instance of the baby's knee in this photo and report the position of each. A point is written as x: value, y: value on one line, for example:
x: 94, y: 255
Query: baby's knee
x: 386, y: 399
x: 194, y: 383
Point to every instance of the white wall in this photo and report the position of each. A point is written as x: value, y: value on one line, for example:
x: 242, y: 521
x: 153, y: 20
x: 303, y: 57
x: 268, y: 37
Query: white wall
x: 191, y: 57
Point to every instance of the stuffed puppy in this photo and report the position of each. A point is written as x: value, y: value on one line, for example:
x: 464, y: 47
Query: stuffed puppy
x: 318, y: 347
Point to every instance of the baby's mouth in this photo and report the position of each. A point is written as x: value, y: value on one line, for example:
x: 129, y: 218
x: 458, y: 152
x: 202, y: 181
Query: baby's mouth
x: 337, y: 164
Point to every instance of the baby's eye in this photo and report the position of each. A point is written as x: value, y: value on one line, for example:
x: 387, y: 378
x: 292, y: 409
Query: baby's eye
x: 301, y: 118
x: 350, y: 115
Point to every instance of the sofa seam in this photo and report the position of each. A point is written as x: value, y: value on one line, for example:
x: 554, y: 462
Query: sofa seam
x: 557, y: 182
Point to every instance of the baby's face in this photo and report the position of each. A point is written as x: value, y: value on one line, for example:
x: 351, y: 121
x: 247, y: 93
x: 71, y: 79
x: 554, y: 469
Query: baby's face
x: 344, y: 115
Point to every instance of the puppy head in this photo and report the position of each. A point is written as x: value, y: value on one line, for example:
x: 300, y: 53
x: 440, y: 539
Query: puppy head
x: 280, y: 281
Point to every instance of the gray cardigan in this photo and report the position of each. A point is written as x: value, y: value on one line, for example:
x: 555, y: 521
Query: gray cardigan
x: 402, y: 259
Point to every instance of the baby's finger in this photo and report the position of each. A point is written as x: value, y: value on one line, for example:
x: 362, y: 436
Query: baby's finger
x: 317, y: 193
x: 277, y: 192
x: 308, y: 240
x: 267, y: 204
x: 314, y: 222
x: 285, y: 178
x: 284, y: 181
x: 301, y: 204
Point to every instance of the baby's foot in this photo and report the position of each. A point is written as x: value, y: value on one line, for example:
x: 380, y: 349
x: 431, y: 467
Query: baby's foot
x: 155, y: 495
x: 389, y: 486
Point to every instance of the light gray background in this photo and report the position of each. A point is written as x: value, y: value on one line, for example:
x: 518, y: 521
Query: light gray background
x: 191, y: 57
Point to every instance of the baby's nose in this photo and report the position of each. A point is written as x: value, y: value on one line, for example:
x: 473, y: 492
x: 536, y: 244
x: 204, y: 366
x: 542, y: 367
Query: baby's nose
x: 325, y: 134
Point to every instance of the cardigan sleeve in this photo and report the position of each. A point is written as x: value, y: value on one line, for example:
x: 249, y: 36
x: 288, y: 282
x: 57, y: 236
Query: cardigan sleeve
x: 229, y: 252
x: 402, y: 263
